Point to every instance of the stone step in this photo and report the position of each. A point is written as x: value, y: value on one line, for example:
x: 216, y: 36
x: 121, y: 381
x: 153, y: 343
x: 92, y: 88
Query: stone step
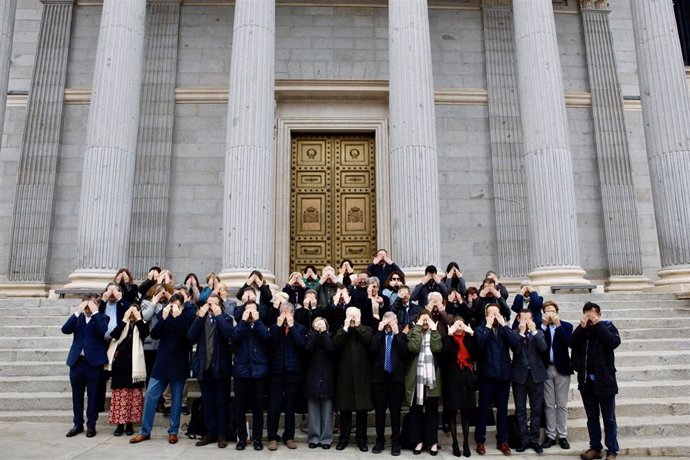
x: 661, y: 345
x: 34, y: 368
x: 32, y: 311
x: 31, y: 331
x: 650, y: 389
x: 36, y: 384
x: 32, y: 354
x: 39, y: 320
x: 62, y: 342
x: 649, y: 358
x: 654, y: 333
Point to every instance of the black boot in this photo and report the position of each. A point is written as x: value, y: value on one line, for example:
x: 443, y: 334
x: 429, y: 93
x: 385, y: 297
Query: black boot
x: 120, y: 430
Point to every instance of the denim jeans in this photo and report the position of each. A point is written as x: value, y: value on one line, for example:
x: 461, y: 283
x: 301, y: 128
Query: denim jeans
x: 153, y: 394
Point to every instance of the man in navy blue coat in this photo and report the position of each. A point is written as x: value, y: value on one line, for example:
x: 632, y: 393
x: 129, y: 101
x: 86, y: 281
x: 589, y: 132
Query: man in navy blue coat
x: 287, y: 339
x: 250, y: 339
x: 558, y: 370
x: 382, y: 266
x: 212, y: 366
x: 171, y: 366
x: 86, y: 358
x: 494, y: 339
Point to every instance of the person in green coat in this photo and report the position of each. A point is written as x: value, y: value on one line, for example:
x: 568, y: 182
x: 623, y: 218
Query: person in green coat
x: 423, y: 383
x: 353, y: 391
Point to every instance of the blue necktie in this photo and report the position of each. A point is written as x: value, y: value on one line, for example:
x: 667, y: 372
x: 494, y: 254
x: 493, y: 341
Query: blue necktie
x: 388, y: 362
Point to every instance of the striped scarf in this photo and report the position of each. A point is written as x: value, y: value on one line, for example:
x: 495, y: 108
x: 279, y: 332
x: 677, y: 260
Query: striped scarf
x: 426, y: 371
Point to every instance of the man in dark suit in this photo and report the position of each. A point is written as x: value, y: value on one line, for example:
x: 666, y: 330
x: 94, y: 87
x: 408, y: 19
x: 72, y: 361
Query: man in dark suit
x: 430, y: 283
x: 529, y: 374
x: 593, y: 342
x: 389, y: 347
x: 212, y: 366
x: 558, y: 372
x: 86, y: 358
x: 382, y: 266
x: 494, y: 339
x: 406, y: 311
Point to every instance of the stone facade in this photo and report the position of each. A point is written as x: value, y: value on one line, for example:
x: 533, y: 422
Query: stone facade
x: 329, y: 41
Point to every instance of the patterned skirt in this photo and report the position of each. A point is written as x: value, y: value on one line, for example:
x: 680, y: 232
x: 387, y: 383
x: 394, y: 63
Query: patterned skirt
x: 126, y: 406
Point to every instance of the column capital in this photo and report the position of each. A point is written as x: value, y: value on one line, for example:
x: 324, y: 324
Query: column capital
x: 497, y: 3
x: 164, y: 2
x: 58, y: 2
x: 594, y: 5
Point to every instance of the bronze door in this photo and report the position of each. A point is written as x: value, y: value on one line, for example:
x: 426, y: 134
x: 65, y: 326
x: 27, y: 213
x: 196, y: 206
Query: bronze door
x: 333, y: 199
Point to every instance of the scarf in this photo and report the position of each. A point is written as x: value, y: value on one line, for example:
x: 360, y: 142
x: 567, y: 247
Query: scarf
x: 426, y: 371
x: 463, y: 356
x: 138, y: 363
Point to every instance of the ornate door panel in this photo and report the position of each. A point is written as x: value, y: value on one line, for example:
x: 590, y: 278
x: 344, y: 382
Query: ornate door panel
x: 333, y: 200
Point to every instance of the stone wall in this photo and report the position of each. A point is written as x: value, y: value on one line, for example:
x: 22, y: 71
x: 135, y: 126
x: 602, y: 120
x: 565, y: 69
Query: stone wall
x: 326, y: 43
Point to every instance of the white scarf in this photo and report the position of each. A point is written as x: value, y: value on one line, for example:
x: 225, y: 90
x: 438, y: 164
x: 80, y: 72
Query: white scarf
x: 138, y: 362
x: 426, y: 371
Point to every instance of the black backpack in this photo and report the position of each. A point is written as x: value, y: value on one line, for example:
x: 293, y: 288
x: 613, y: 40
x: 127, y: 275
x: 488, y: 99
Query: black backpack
x: 195, y: 427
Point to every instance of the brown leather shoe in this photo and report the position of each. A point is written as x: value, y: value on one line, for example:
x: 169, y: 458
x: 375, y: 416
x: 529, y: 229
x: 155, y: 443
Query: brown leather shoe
x: 481, y: 450
x: 222, y: 442
x: 172, y: 438
x: 291, y: 444
x: 505, y: 448
x: 138, y: 438
x: 273, y: 445
x: 590, y: 454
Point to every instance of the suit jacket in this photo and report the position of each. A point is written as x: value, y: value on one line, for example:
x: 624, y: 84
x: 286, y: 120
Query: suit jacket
x: 412, y: 313
x: 561, y: 352
x: 493, y: 352
x: 399, y: 356
x: 596, y: 343
x: 529, y: 359
x: 535, y: 303
x: 421, y: 292
x: 479, y: 307
x: 221, y: 359
x: 250, y: 341
x: 87, y: 337
x: 287, y: 349
x: 172, y: 359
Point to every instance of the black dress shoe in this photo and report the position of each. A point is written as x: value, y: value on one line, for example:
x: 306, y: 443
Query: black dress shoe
x: 341, y: 445
x: 363, y: 447
x: 536, y: 447
x: 521, y: 448
x: 395, y: 450
x: 129, y: 429
x: 378, y: 448
x: 325, y: 446
x: 166, y: 412
x: 258, y: 445
x: 548, y: 442
x: 416, y: 451
x: 466, y: 450
x: 184, y: 410
x: 205, y: 441
x: 240, y: 445
x: 456, y: 449
x: 75, y: 431
x: 90, y: 432
x: 313, y: 445
x: 120, y: 430
x: 563, y: 442
x: 434, y: 453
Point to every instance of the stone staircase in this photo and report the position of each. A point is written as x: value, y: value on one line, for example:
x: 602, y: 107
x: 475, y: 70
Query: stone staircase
x: 653, y: 362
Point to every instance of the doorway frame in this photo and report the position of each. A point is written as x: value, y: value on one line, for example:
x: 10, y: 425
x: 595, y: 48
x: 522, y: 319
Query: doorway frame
x: 331, y: 123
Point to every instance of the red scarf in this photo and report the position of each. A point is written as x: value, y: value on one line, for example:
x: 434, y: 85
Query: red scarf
x: 463, y: 358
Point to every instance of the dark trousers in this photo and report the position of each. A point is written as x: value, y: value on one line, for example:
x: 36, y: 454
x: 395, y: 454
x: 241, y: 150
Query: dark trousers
x: 424, y: 422
x: 346, y: 426
x: 248, y: 392
x: 498, y: 391
x: 535, y: 392
x: 149, y: 360
x: 282, y: 393
x: 102, y: 388
x: 606, y: 406
x: 215, y: 398
x: 387, y: 396
x: 85, y: 377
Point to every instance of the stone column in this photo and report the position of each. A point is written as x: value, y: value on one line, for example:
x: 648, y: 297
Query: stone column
x: 33, y: 207
x: 248, y: 220
x: 623, y: 250
x: 548, y: 169
x: 666, y: 114
x: 414, y: 168
x: 154, y: 146
x: 7, y: 13
x: 510, y: 201
x: 111, y: 140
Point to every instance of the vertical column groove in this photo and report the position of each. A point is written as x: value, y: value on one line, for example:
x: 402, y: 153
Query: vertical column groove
x: 506, y: 141
x: 150, y: 205
x: 29, y: 244
x: 414, y: 163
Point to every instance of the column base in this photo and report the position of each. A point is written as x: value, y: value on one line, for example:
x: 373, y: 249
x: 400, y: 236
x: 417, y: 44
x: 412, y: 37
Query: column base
x: 24, y: 290
x: 90, y: 279
x: 675, y: 280
x: 236, y: 279
x: 627, y: 283
x: 512, y: 284
x: 542, y: 280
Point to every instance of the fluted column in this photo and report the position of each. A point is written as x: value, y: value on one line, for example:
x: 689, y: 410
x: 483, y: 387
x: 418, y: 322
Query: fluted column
x: 248, y: 219
x: 621, y: 226
x: 7, y: 13
x: 154, y: 145
x: 33, y: 207
x: 666, y: 114
x: 548, y: 169
x: 414, y: 168
x: 510, y: 201
x: 111, y: 141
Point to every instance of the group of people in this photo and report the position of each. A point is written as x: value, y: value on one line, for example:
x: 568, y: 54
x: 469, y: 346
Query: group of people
x: 345, y: 343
